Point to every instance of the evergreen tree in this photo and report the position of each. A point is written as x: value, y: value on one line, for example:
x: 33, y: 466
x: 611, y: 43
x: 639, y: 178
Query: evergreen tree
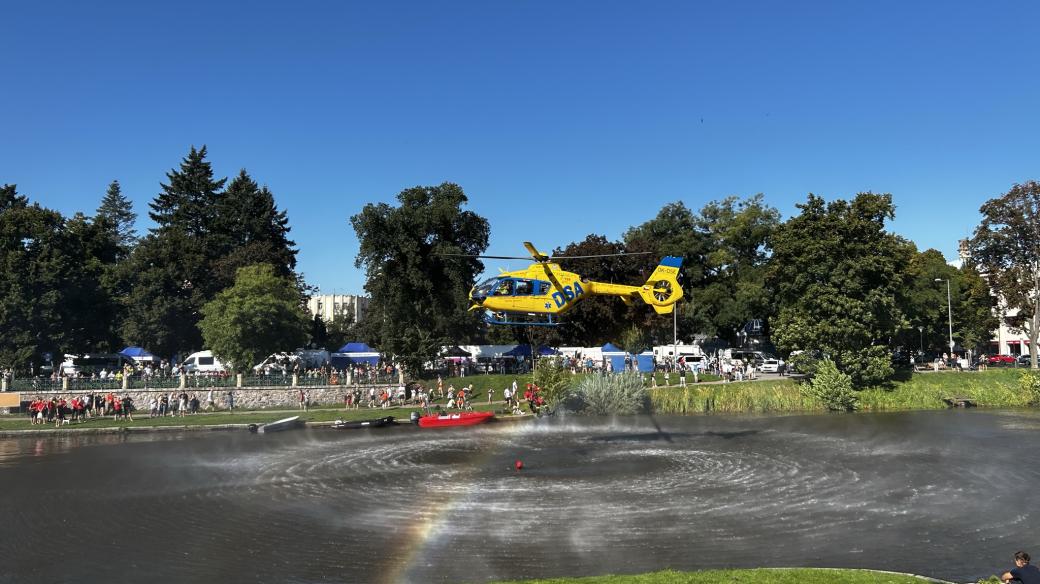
x: 250, y: 229
x: 172, y: 266
x: 188, y: 202
x: 117, y: 212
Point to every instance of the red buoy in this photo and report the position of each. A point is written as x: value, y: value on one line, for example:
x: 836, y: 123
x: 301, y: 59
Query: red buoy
x: 519, y: 465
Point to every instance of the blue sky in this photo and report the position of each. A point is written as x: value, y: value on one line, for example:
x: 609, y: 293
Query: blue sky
x: 559, y: 119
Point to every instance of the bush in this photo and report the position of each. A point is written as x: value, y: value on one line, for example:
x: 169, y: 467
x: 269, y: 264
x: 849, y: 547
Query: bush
x: 621, y: 393
x: 1030, y: 384
x: 832, y: 388
x: 553, y: 378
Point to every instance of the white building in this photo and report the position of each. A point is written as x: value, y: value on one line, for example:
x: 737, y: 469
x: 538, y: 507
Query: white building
x: 327, y: 306
x: 1003, y: 341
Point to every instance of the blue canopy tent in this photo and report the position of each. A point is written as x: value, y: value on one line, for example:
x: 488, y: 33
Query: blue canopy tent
x: 615, y: 356
x: 138, y: 354
x: 354, y: 354
x: 525, y: 351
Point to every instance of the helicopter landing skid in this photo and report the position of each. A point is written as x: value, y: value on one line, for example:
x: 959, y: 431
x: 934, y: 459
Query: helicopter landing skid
x: 519, y: 319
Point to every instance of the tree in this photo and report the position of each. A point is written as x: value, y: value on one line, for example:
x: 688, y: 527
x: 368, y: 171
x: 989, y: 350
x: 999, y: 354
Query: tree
x: 259, y: 315
x: 1005, y: 249
x: 924, y: 304
x: 738, y: 234
x: 250, y: 229
x: 673, y: 231
x: 117, y: 213
x: 189, y: 202
x: 34, y: 268
x: 419, y: 297
x: 838, y: 277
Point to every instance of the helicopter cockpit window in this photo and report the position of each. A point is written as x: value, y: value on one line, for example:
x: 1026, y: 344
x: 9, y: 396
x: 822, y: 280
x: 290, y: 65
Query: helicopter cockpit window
x: 523, y: 288
x: 504, y: 288
x: 486, y: 287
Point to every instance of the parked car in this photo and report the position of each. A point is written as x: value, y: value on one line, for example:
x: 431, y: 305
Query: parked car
x: 771, y: 365
x: 1025, y: 360
x: 1000, y: 360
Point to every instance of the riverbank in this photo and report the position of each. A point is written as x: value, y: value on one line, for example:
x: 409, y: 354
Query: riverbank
x: 756, y: 576
x: 18, y: 425
x: 996, y: 388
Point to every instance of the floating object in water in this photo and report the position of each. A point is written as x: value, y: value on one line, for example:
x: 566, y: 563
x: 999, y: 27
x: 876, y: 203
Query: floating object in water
x: 519, y: 464
x: 351, y: 424
x: 276, y: 426
x: 460, y: 419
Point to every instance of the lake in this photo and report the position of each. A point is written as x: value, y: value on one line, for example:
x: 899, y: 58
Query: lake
x: 949, y: 494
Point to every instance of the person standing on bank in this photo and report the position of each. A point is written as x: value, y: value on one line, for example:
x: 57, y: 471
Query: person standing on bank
x: 1023, y: 571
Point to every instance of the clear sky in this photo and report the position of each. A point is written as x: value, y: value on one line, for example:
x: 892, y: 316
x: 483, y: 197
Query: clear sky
x: 559, y: 119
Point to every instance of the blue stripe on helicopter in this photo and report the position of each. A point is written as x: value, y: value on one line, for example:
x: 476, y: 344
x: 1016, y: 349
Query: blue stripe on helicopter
x: 672, y: 262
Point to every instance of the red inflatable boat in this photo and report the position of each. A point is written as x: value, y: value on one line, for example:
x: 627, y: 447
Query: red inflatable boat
x: 459, y: 419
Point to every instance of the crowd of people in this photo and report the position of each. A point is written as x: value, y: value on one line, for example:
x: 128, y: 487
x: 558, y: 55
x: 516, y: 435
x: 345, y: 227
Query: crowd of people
x: 61, y: 410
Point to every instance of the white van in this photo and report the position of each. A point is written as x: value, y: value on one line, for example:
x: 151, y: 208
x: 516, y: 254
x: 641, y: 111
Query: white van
x: 203, y: 362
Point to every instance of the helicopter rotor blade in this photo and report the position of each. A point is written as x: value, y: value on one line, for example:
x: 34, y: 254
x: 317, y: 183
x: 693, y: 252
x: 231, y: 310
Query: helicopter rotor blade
x: 463, y: 255
x: 601, y: 255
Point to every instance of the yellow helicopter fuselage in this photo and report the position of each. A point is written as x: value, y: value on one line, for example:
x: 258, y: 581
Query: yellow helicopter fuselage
x: 546, y: 289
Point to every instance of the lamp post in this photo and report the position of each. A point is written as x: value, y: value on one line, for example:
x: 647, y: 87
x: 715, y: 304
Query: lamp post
x: 920, y: 329
x: 949, y: 310
x: 675, y: 336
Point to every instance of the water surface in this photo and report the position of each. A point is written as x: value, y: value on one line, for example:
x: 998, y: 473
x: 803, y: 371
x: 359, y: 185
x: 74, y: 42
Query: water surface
x: 950, y: 494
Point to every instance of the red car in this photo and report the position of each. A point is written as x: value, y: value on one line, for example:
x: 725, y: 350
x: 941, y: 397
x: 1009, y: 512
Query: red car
x: 1000, y: 360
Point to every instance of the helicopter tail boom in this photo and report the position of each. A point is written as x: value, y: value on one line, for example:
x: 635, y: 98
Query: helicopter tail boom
x: 662, y: 289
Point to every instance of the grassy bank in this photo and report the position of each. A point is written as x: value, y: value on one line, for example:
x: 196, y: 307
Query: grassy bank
x: 759, y: 576
x: 219, y: 418
x: 920, y: 391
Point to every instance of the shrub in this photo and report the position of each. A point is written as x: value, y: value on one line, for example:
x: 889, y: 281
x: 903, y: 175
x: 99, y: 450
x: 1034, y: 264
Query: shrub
x: 832, y: 388
x: 553, y: 378
x: 1030, y: 384
x: 621, y: 393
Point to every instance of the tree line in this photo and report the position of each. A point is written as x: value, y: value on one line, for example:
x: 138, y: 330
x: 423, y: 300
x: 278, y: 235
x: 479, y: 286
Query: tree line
x: 831, y: 280
x: 91, y: 284
x: 218, y: 270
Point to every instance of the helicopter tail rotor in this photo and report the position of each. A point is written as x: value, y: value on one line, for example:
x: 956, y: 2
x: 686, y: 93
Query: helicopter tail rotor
x: 662, y: 289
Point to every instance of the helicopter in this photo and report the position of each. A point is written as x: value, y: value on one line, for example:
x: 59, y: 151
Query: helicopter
x: 537, y: 295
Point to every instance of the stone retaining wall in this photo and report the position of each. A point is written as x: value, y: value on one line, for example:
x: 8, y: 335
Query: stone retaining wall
x: 245, y: 397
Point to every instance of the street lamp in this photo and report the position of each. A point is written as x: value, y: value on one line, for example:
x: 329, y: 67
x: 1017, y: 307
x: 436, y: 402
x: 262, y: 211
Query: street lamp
x: 949, y: 310
x: 920, y: 329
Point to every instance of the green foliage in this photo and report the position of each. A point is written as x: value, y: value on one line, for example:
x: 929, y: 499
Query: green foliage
x: 553, y: 378
x: 203, y: 236
x: 725, y: 249
x: 1029, y: 382
x: 1006, y: 247
x: 838, y: 278
x: 249, y: 229
x: 116, y: 213
x: 832, y: 388
x: 53, y: 276
x: 259, y: 315
x: 925, y: 305
x: 804, y: 362
x: 419, y: 296
x: 608, y: 394
x: 742, y: 397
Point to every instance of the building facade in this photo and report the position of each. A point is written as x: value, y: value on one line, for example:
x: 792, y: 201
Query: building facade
x: 327, y: 306
x: 1004, y: 341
